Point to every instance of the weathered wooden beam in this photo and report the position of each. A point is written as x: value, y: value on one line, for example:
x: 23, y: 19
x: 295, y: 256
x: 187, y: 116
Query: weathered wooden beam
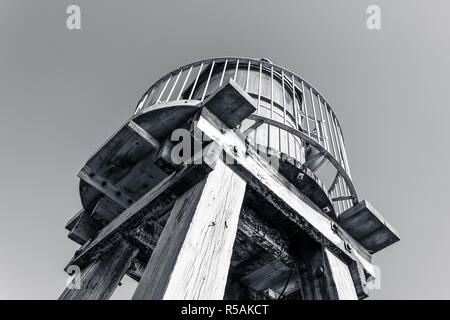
x: 84, y: 228
x: 106, y: 210
x: 368, y: 227
x: 230, y: 103
x: 315, y: 277
x: 99, y: 279
x: 192, y: 257
x: 146, y: 235
x: 72, y: 221
x: 144, y: 134
x: 280, y: 192
x: 342, y: 277
x: 268, y: 276
x: 175, y: 184
x: 265, y: 235
x: 106, y: 187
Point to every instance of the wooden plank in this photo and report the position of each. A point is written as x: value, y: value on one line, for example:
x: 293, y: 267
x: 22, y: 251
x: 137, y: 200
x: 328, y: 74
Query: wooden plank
x: 106, y: 210
x: 315, y: 277
x: 71, y: 223
x: 106, y: 187
x: 280, y: 192
x: 144, y: 134
x: 368, y: 227
x: 267, y: 276
x: 341, y: 277
x: 84, y: 228
x: 101, y: 277
x: 230, y: 103
x: 192, y: 258
x: 176, y: 183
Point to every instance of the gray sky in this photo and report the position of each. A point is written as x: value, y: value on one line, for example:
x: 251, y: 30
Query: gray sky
x: 62, y: 93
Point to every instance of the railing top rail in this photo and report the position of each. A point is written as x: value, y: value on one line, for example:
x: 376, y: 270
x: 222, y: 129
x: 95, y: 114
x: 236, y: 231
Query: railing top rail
x: 288, y: 73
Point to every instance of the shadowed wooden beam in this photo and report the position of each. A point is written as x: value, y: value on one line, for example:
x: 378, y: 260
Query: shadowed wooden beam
x: 266, y: 236
x: 84, y: 228
x: 99, y: 279
x: 315, y: 277
x: 230, y: 103
x: 281, y: 193
x: 192, y: 257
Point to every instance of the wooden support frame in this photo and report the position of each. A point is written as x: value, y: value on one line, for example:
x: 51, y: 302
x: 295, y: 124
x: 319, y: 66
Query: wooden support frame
x: 176, y: 183
x: 281, y: 193
x: 192, y: 258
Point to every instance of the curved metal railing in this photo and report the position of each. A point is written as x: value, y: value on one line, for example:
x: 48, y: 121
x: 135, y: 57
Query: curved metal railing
x: 285, y: 101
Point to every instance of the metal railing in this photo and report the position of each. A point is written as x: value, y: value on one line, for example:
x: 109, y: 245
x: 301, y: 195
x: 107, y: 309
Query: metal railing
x: 286, y: 103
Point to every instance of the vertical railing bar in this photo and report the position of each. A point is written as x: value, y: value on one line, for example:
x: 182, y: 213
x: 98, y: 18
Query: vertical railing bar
x: 329, y: 128
x: 259, y: 87
x: 184, y: 83
x: 141, y: 102
x: 196, y: 80
x: 341, y: 159
x: 293, y: 107
x: 341, y: 188
x: 325, y: 134
x: 284, y: 98
x: 207, y: 81
x: 163, y: 90
x: 271, y: 100
x: 341, y: 146
x: 150, y: 96
x: 347, y: 191
x: 306, y: 108
x: 271, y: 92
x: 174, y: 85
x: 223, y: 72
x: 248, y: 75
x: 236, y: 71
x: 344, y: 152
x: 315, y: 115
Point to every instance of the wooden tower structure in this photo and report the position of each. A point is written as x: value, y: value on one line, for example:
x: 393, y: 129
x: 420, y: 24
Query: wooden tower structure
x: 230, y: 181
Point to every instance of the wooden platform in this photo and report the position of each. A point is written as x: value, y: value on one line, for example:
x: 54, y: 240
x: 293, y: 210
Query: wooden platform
x: 368, y: 227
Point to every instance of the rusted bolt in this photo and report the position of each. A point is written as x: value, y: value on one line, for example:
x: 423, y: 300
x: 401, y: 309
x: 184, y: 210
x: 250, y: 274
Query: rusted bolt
x: 334, y: 227
x: 347, y: 247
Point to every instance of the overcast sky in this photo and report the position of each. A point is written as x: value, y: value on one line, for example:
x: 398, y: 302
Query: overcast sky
x: 63, y: 93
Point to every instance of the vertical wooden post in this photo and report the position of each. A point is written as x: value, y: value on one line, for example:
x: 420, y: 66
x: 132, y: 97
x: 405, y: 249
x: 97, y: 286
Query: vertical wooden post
x: 322, y: 275
x: 192, y: 257
x: 101, y: 277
